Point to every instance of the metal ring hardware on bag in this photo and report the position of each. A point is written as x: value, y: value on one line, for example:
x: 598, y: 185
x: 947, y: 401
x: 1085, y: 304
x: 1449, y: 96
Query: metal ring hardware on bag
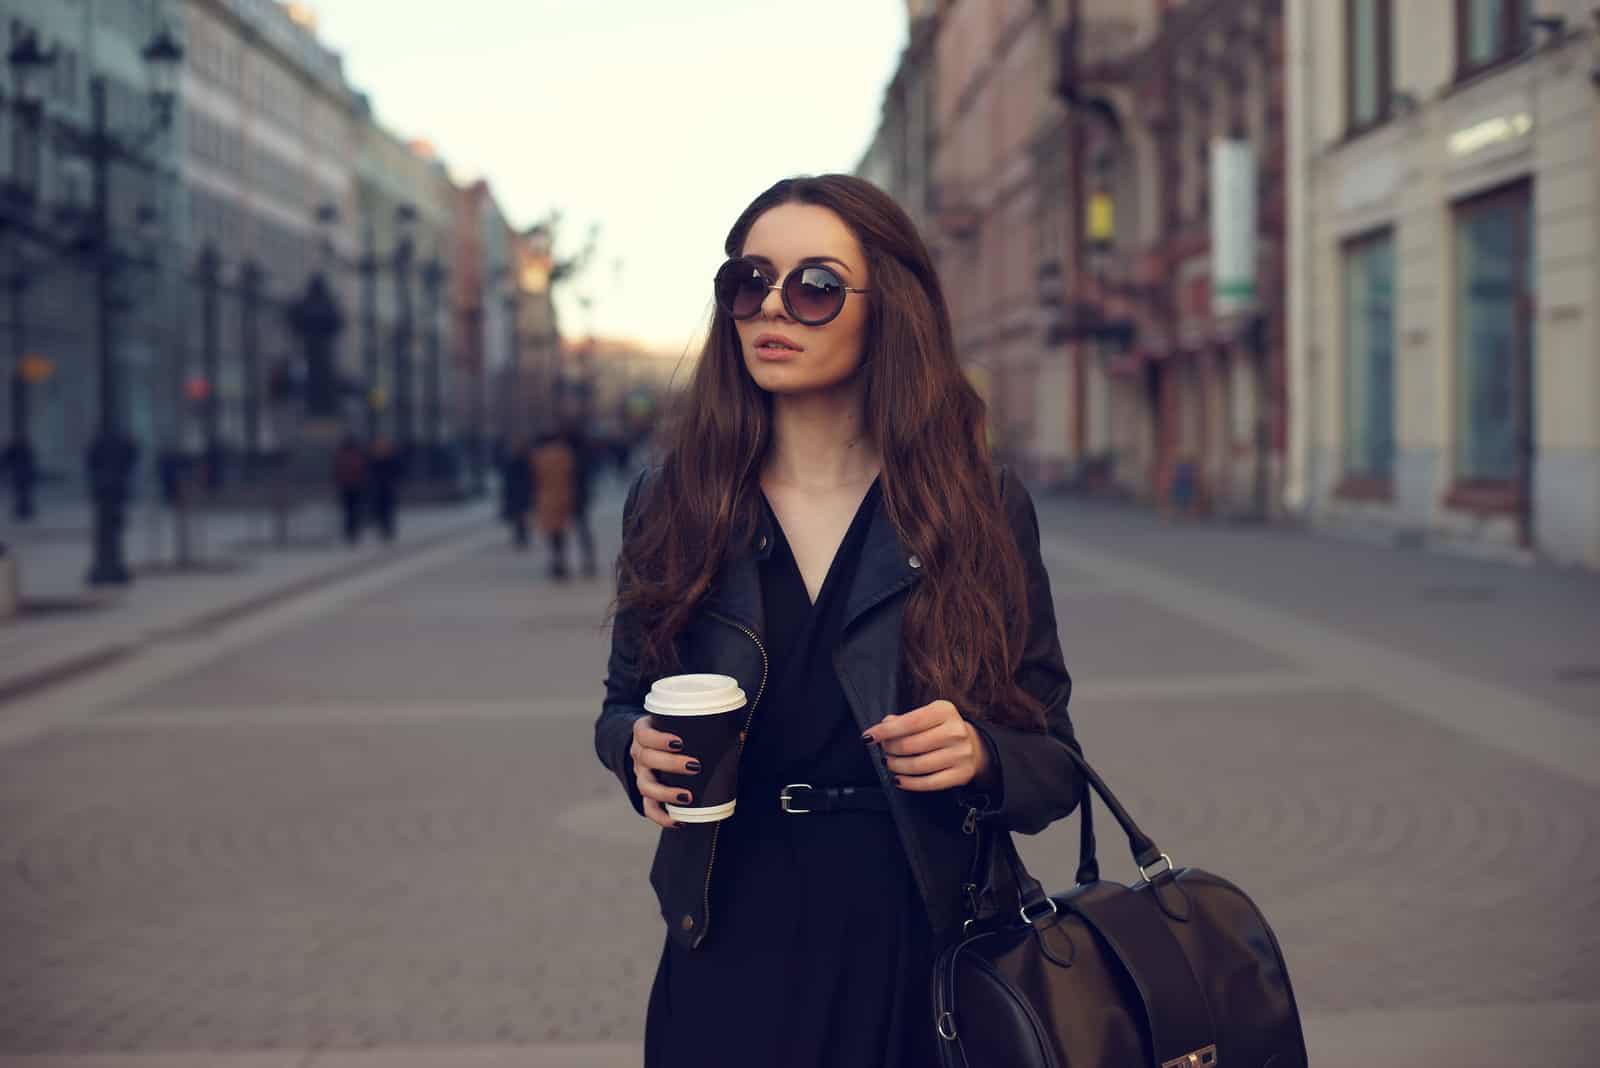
x: 944, y: 1018
x: 1147, y: 876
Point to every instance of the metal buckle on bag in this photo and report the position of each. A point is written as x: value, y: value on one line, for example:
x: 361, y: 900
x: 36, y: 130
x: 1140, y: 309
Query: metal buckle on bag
x: 1204, y: 1057
x: 786, y: 799
x: 1023, y: 912
x: 1150, y: 878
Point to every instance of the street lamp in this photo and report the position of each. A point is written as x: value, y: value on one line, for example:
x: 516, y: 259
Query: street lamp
x: 405, y: 216
x: 113, y: 452
x: 28, y: 64
x: 367, y: 265
x: 433, y: 279
x: 162, y: 58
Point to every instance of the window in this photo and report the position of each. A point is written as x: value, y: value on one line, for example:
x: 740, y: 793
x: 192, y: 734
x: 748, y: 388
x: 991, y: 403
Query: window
x: 1369, y: 359
x: 1368, y: 63
x: 1489, y: 32
x: 1494, y: 337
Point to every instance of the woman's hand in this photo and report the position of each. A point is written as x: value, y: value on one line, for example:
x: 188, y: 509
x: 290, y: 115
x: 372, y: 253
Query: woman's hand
x: 653, y: 751
x: 930, y: 748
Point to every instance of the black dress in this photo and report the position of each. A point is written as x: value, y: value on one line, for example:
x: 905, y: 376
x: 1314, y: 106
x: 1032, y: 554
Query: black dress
x: 819, y: 949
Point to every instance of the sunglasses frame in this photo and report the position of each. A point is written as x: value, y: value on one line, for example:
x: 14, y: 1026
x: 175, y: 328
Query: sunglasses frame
x: 782, y: 292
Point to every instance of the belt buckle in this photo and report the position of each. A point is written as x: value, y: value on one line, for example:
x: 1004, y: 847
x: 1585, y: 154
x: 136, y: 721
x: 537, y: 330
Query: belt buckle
x: 786, y: 799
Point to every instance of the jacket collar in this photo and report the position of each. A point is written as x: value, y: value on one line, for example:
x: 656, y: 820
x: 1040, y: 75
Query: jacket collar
x: 885, y: 568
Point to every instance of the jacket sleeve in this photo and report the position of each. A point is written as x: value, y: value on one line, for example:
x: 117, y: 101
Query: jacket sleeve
x: 625, y: 689
x: 1035, y: 782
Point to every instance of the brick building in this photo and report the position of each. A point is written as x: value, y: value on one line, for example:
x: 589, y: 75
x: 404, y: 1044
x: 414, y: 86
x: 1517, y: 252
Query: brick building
x: 1068, y: 203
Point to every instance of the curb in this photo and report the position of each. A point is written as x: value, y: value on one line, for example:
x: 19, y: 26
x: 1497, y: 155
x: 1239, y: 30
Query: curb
x: 31, y: 683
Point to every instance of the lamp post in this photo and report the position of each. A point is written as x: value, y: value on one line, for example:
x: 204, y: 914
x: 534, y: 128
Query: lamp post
x: 367, y: 266
x: 433, y: 277
x: 211, y: 356
x: 26, y: 62
x: 112, y: 454
x: 513, y: 405
x: 404, y: 257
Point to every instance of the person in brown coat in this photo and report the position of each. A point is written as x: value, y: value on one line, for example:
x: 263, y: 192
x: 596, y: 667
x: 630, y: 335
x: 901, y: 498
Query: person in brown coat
x: 555, y: 493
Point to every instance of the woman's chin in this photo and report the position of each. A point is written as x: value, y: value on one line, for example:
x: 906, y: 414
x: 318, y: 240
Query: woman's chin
x: 787, y: 379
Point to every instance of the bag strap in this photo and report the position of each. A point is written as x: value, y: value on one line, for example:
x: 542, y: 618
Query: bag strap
x: 1134, y: 927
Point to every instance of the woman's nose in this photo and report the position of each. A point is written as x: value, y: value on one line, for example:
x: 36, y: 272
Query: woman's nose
x: 772, y: 305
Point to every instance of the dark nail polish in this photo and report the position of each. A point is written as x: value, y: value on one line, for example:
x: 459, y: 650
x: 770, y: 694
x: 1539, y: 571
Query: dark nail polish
x: 897, y: 781
x: 693, y: 766
x: 675, y: 745
x: 868, y: 739
x: 683, y: 799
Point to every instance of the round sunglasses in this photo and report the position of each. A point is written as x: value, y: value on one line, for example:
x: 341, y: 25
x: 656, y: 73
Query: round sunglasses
x: 812, y: 294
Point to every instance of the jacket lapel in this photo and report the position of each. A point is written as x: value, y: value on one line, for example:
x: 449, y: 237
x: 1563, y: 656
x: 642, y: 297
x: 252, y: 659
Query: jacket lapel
x: 736, y: 590
x: 884, y: 570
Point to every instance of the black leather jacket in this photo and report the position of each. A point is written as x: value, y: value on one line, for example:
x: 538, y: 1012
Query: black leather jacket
x: 1037, y: 782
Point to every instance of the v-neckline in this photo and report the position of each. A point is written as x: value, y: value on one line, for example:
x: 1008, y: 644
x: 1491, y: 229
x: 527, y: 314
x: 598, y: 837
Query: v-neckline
x: 838, y: 550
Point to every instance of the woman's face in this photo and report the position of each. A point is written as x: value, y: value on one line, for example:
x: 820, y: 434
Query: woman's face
x: 782, y: 355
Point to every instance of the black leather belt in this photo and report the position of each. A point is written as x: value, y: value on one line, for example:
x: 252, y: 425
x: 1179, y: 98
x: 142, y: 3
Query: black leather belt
x: 799, y: 798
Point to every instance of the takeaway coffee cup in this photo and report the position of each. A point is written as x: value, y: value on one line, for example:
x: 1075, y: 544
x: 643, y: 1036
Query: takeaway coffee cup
x: 707, y: 712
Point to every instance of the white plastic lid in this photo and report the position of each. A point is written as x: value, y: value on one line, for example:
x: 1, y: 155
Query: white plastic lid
x: 694, y: 695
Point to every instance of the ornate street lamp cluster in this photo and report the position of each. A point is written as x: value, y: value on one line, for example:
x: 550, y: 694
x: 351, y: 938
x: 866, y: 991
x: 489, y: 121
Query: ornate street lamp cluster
x: 87, y: 237
x: 401, y: 261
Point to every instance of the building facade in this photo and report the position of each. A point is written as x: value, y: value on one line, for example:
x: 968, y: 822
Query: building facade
x: 1446, y: 278
x: 48, y: 320
x: 1057, y: 155
x: 1177, y: 285
x: 481, y: 281
x: 267, y: 116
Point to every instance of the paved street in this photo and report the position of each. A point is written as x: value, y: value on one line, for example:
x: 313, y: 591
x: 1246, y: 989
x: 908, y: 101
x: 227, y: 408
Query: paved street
x: 363, y: 826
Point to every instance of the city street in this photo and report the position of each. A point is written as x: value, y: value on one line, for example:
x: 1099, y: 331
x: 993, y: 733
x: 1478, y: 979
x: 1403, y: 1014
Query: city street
x: 364, y: 825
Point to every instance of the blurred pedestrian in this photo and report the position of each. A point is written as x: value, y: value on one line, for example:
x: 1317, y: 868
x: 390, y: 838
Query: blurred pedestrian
x: 516, y: 491
x: 19, y: 463
x: 588, y: 456
x: 383, y: 474
x: 555, y: 496
x: 350, y: 482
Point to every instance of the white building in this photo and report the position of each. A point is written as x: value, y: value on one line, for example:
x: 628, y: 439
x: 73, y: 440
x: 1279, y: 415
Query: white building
x: 1445, y: 283
x: 266, y: 128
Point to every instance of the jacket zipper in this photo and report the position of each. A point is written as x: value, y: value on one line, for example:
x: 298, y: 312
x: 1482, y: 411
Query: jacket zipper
x: 711, y: 862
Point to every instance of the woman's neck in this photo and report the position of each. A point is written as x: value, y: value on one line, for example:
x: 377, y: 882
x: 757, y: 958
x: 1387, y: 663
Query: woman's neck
x: 820, y: 443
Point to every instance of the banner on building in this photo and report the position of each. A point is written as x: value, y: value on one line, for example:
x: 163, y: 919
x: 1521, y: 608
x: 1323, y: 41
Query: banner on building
x: 1233, y: 227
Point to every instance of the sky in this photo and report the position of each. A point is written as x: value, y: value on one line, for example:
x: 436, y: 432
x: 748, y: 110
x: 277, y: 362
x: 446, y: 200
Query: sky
x: 658, y: 120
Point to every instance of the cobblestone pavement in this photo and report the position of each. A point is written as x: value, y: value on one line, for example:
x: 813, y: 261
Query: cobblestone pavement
x: 370, y: 831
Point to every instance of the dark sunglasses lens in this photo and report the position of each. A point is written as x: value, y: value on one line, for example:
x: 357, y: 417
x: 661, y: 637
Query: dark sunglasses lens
x: 740, y: 288
x: 815, y: 294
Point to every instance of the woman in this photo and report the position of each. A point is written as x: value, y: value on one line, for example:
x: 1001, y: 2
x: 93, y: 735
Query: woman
x: 827, y: 528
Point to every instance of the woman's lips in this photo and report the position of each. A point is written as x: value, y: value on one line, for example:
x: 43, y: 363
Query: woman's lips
x: 775, y: 347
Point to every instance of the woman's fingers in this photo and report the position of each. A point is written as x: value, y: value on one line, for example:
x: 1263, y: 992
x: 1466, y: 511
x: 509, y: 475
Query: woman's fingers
x: 927, y: 763
x: 650, y: 738
x: 940, y: 780
x: 656, y: 813
x: 650, y: 787
x: 657, y: 760
x: 937, y: 737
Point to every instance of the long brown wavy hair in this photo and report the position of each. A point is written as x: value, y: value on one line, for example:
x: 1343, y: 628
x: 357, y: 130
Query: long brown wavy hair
x: 965, y: 621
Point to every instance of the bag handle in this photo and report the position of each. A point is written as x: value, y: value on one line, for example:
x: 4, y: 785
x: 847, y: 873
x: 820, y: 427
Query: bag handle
x: 1032, y: 901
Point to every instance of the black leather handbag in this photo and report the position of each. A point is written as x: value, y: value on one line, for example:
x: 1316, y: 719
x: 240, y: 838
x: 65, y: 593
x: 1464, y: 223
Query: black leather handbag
x: 1179, y: 970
